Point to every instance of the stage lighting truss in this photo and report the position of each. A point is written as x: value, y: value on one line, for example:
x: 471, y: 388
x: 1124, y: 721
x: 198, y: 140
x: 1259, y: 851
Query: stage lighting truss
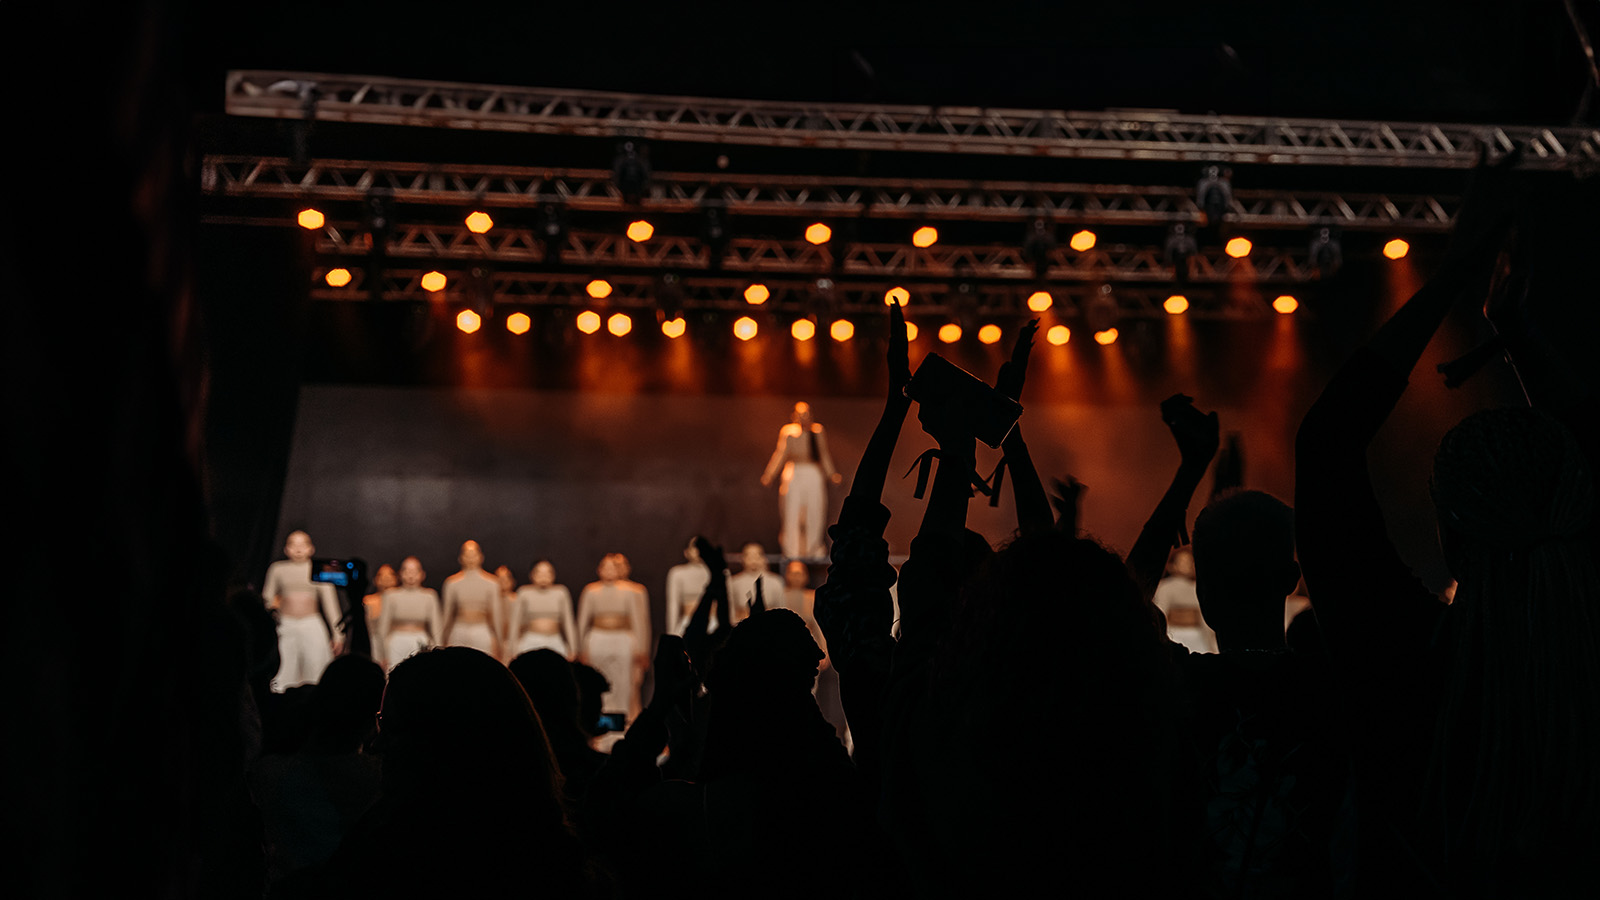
x: 1140, y: 135
x: 815, y: 198
x: 861, y: 300
x: 765, y: 256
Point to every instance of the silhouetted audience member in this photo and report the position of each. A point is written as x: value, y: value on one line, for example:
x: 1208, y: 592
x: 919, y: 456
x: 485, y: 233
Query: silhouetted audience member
x: 592, y: 687
x: 311, y: 798
x: 1273, y: 763
x: 448, y: 822
x: 547, y: 677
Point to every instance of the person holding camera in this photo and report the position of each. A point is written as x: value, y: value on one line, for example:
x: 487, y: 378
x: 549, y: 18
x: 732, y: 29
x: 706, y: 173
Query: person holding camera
x: 802, y: 457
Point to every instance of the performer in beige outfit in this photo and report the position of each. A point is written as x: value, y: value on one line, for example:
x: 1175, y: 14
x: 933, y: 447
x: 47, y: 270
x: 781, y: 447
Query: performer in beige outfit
x: 686, y: 584
x: 802, y: 457
x: 308, y: 639
x: 472, y: 605
x: 742, y: 586
x: 541, y: 615
x: 410, y: 620
x: 614, y: 631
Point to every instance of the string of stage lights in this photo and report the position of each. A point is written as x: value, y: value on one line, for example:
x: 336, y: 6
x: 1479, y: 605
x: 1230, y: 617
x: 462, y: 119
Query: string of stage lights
x: 757, y: 293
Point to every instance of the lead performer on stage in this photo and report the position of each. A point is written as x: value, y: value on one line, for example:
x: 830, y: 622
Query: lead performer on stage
x: 614, y: 630
x: 802, y: 457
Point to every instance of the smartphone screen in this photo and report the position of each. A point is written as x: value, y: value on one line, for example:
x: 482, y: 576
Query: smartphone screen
x: 337, y: 572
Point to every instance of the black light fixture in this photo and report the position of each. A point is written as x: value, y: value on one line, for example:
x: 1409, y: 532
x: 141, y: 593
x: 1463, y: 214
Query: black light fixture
x: 1180, y: 246
x: 1214, y: 194
x: 630, y: 170
x: 1038, y: 246
x: 377, y: 213
x: 669, y: 296
x: 1326, y: 253
x: 714, y: 231
x: 552, y: 230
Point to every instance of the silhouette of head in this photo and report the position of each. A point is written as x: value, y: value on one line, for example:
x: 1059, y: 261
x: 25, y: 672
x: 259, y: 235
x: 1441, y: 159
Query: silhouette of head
x: 592, y: 687
x: 770, y: 653
x: 344, y: 708
x: 547, y: 677
x: 456, y: 709
x: 1244, y: 564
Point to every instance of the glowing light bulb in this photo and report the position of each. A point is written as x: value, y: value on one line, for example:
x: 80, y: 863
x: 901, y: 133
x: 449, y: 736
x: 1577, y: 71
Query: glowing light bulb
x: 989, y: 334
x: 619, y: 324
x: 337, y: 277
x: 518, y: 323
x: 950, y: 332
x: 1058, y: 334
x: 744, y: 328
x: 1176, y: 304
x: 756, y: 294
x: 896, y: 295
x: 433, y: 282
x: 311, y: 219
x: 842, y: 330
x: 911, y: 331
x: 1106, y: 338
x: 479, y: 222
x: 926, y: 236
x: 640, y: 231
x: 1083, y: 240
x: 1039, y: 301
x: 818, y: 233
x: 598, y: 288
x: 468, y: 321
x: 803, y: 329
x: 588, y: 321
x: 1238, y: 247
x: 1285, y: 304
x: 674, y: 328
x: 1396, y: 249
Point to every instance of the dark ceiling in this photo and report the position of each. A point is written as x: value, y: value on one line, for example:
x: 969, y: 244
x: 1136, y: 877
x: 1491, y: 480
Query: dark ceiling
x: 1471, y: 60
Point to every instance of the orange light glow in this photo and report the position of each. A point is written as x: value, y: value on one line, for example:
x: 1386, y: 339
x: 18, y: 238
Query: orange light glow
x: 1396, y: 249
x: 803, y: 329
x: 674, y: 328
x: 433, y: 281
x: 1285, y: 304
x: 896, y: 295
x: 1176, y: 304
x: 518, y: 323
x: 842, y: 330
x: 1083, y: 240
x: 1058, y: 334
x: 1238, y: 247
x: 911, y: 331
x: 1106, y: 338
x: 640, y: 231
x: 619, y: 324
x: 950, y: 332
x: 989, y: 334
x: 926, y: 236
x: 1039, y: 301
x: 588, y: 321
x: 744, y: 328
x: 337, y: 277
x: 311, y: 219
x: 756, y: 294
x: 468, y: 321
x: 599, y: 288
x: 818, y: 233
x: 479, y: 222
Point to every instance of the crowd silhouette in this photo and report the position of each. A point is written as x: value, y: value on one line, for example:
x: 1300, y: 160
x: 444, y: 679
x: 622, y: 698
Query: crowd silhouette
x: 1390, y: 741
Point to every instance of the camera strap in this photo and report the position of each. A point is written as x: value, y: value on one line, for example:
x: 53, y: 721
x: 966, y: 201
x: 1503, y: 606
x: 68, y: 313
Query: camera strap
x: 989, y: 487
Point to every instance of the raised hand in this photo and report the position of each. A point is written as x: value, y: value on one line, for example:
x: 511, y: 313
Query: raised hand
x: 1067, y: 497
x: 1014, y: 371
x: 899, y: 351
x: 711, y: 555
x: 1197, y: 433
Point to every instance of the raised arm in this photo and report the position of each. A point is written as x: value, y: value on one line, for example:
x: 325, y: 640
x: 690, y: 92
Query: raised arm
x: 585, y: 619
x: 435, y: 619
x: 1197, y: 435
x: 674, y: 601
x: 641, y: 626
x: 1033, y: 504
x: 775, y: 464
x: 331, y: 609
x: 449, y: 609
x: 824, y: 458
x: 569, y: 628
x: 385, y: 622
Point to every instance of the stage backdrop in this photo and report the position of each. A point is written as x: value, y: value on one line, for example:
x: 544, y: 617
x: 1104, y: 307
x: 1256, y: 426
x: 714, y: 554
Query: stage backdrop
x: 384, y: 472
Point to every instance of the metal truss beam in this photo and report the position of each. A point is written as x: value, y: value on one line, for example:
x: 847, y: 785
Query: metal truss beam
x: 790, y: 298
x: 1087, y: 135
x: 763, y: 256
x: 780, y: 195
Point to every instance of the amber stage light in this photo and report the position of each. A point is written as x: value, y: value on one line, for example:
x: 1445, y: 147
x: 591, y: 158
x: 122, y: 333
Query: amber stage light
x: 950, y: 332
x: 673, y: 328
x: 1396, y: 249
x: 619, y: 324
x: 1058, y: 334
x: 468, y: 321
x: 744, y: 328
x: 433, y: 282
x: 1039, y: 301
x: 518, y: 323
x: 588, y: 321
x: 1238, y: 247
x: 640, y: 231
x: 842, y: 330
x: 599, y: 288
x: 1106, y: 338
x: 756, y: 294
x: 896, y: 295
x: 1176, y: 304
x: 311, y: 219
x: 479, y: 222
x: 818, y: 233
x: 1286, y: 304
x: 337, y: 277
x: 989, y: 334
x: 1083, y: 240
x: 803, y: 329
x: 926, y: 236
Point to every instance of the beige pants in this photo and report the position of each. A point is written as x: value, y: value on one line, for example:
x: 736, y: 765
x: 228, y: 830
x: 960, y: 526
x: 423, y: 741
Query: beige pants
x: 804, y: 500
x: 303, y: 651
x: 403, y: 645
x: 476, y: 635
x: 612, y: 653
x: 533, y: 640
